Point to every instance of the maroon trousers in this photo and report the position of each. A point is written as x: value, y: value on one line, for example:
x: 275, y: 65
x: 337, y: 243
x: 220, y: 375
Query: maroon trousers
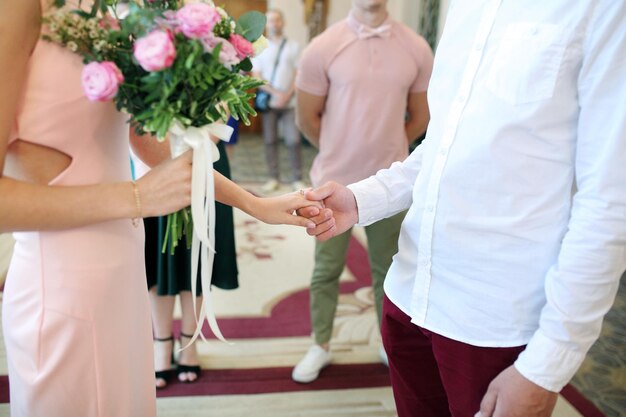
x: 433, y: 376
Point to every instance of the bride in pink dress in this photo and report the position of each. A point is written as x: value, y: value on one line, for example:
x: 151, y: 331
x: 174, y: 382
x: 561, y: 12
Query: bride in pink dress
x: 76, y: 317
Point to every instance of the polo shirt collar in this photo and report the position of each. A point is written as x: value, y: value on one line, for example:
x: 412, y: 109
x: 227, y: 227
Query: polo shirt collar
x: 355, y: 25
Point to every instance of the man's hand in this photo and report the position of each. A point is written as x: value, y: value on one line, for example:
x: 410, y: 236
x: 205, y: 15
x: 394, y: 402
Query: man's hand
x: 340, y: 200
x: 281, y: 100
x: 512, y: 395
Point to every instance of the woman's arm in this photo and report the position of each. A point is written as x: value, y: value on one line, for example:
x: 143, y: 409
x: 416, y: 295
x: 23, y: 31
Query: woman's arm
x: 27, y: 206
x: 275, y: 210
x: 271, y: 210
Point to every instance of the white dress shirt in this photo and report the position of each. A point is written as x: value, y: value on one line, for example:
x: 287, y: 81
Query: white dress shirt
x: 516, y: 232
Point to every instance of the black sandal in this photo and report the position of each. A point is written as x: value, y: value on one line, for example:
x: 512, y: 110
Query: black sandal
x: 183, y: 369
x: 165, y: 375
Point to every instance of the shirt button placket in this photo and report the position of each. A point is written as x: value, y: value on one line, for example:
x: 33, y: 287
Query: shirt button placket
x: 424, y: 262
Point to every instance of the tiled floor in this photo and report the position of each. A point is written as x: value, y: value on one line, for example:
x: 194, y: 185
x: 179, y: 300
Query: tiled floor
x: 248, y: 161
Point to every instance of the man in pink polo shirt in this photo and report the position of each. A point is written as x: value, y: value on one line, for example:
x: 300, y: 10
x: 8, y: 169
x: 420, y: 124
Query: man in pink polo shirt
x: 361, y: 99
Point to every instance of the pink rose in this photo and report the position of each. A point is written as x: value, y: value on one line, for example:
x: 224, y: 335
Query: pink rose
x: 228, y: 53
x: 169, y: 21
x: 197, y: 20
x: 101, y: 80
x: 155, y: 51
x: 109, y: 22
x: 243, y: 47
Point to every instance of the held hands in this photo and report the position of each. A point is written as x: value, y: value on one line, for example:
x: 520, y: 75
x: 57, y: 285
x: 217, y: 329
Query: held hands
x: 512, y: 395
x: 325, y: 212
x: 340, y: 212
x: 281, y: 209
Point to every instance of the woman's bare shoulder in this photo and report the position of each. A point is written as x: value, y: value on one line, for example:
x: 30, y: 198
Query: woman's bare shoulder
x: 20, y: 17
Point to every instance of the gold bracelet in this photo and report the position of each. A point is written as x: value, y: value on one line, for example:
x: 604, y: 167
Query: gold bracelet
x: 136, y: 219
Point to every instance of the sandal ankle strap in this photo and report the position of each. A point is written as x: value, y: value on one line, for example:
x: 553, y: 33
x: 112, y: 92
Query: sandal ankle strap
x: 164, y: 339
x: 188, y: 336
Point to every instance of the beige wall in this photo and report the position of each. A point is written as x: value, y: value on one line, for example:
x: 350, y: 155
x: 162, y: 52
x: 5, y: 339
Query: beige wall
x: 406, y: 11
x: 294, y: 16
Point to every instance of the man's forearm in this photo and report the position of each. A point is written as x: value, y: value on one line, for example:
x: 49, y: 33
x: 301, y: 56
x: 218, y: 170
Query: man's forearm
x: 415, y: 129
x: 312, y: 134
x: 310, y: 128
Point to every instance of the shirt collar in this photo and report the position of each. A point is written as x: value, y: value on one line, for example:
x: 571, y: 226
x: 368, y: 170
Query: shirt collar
x: 355, y: 25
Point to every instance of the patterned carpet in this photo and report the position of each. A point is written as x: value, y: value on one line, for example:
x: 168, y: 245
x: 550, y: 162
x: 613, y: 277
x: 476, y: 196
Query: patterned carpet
x: 267, y: 319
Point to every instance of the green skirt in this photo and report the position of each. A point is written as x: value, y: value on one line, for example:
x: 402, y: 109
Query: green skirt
x: 171, y: 273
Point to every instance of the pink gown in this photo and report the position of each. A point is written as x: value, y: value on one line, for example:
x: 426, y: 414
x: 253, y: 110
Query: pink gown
x: 76, y: 312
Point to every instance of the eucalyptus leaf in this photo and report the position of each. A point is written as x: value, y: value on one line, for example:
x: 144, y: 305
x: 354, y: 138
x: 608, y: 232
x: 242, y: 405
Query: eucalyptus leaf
x: 251, y: 25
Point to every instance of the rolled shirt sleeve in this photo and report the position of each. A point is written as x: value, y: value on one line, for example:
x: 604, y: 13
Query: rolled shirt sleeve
x: 311, y: 77
x: 424, y: 60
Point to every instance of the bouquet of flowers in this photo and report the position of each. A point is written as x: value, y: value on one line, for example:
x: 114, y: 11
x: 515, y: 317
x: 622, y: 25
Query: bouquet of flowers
x: 169, y: 67
x: 178, y: 70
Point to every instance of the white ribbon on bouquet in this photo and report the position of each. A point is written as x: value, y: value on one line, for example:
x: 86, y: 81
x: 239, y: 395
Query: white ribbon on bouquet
x: 205, y: 152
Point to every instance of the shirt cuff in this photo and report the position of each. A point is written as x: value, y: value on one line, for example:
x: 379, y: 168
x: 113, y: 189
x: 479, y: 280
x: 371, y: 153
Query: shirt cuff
x: 548, y: 363
x: 371, y: 200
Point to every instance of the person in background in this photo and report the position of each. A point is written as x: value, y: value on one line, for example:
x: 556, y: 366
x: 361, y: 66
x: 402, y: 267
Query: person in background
x: 278, y: 65
x: 169, y: 276
x: 361, y: 100
x: 515, y: 240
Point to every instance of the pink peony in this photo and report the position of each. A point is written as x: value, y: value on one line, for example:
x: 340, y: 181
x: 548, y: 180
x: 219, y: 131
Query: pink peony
x: 228, y: 53
x: 243, y: 47
x: 155, y: 51
x: 101, y: 80
x: 197, y: 20
x: 169, y: 21
x: 109, y: 22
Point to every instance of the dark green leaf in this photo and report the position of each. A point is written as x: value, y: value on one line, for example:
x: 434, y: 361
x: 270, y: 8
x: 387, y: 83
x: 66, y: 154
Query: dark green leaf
x: 246, y: 65
x: 82, y: 14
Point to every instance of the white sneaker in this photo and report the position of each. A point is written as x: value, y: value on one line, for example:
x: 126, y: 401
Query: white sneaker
x: 308, y: 369
x: 298, y: 185
x: 271, y: 185
x: 383, y: 356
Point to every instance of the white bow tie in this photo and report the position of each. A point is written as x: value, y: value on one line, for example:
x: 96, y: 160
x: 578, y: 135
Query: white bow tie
x: 366, y: 32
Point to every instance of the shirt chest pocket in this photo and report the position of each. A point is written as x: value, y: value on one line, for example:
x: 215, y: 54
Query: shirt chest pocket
x: 526, y: 64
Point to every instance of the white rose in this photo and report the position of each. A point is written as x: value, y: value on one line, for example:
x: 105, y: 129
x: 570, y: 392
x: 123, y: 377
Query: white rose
x: 259, y: 45
x: 222, y: 12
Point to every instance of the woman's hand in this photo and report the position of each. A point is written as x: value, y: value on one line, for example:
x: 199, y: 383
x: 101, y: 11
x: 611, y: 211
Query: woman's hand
x: 281, y: 210
x: 167, y: 187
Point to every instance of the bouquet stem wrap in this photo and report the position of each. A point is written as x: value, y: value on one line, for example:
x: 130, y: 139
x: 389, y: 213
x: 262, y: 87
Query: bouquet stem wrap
x: 205, y: 152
